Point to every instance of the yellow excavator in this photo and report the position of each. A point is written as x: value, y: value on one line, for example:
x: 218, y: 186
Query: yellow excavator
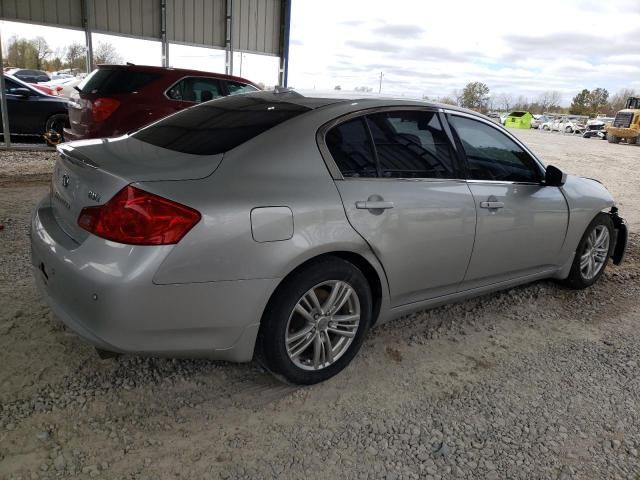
x: 626, y: 126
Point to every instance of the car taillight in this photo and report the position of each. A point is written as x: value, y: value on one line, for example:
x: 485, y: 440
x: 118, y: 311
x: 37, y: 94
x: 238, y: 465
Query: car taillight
x: 136, y: 217
x: 103, y: 107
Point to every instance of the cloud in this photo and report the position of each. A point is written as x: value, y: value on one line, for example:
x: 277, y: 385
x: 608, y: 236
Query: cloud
x: 399, y: 30
x: 572, y: 44
x: 373, y: 45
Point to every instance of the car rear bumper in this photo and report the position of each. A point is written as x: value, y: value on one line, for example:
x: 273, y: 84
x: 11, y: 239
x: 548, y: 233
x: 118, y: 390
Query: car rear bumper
x: 105, y: 293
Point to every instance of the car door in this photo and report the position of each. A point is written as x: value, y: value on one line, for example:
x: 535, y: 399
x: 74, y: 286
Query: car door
x: 18, y: 108
x: 402, y: 192
x: 521, y: 223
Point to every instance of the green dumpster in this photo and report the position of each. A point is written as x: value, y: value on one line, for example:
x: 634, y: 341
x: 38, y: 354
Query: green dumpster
x: 518, y: 120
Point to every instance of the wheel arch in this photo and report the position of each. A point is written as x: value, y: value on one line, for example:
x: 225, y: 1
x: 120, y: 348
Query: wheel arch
x: 371, y: 274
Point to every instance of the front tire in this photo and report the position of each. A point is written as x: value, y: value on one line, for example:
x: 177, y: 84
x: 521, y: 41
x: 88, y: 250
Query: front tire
x: 592, y: 253
x: 632, y: 140
x: 613, y: 139
x: 315, y: 322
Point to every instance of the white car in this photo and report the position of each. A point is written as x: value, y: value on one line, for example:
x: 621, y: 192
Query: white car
x: 563, y: 124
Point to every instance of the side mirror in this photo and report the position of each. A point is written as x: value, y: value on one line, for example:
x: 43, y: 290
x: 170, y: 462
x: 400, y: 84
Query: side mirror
x: 554, y: 177
x: 21, y: 92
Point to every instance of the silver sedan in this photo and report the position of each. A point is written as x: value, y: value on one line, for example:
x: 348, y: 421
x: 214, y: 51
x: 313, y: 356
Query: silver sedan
x: 281, y: 227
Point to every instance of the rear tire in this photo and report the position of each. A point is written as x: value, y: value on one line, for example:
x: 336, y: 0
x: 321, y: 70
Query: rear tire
x: 592, y: 254
x: 568, y: 130
x: 632, y: 140
x: 298, y: 340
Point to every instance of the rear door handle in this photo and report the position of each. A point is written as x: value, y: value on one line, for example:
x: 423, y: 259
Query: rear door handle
x: 491, y: 204
x: 374, y: 205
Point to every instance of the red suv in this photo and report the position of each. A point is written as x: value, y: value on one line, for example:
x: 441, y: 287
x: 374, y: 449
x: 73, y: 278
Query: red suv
x: 116, y: 99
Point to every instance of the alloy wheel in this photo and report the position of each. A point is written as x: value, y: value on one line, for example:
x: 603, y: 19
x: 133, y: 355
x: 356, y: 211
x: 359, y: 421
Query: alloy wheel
x: 322, y: 325
x: 595, y: 253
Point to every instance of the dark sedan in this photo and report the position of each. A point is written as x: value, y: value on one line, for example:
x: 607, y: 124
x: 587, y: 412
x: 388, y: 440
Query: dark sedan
x: 32, y: 112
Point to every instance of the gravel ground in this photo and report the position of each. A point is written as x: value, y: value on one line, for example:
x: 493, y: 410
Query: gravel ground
x: 535, y: 382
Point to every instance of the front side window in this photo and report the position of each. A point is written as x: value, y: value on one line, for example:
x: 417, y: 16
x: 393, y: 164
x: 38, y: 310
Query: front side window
x: 350, y: 147
x: 491, y: 155
x: 235, y: 88
x: 195, y: 89
x: 411, y: 144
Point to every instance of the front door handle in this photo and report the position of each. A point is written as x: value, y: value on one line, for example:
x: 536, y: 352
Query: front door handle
x: 374, y: 205
x: 491, y: 204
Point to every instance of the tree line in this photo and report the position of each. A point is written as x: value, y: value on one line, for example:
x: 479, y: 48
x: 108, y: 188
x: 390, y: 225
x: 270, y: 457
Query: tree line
x: 36, y: 54
x: 476, y: 96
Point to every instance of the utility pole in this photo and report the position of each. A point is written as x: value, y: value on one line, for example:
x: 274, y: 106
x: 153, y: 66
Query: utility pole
x: 380, y: 85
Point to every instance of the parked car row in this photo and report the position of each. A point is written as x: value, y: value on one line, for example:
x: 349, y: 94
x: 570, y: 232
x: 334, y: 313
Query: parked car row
x: 112, y: 100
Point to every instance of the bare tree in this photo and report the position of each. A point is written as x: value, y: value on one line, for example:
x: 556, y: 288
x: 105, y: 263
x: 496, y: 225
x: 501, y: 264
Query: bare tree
x: 75, y: 55
x: 618, y: 99
x: 42, y: 51
x: 549, y: 100
x: 448, y: 100
x: 106, y: 53
x: 504, y: 101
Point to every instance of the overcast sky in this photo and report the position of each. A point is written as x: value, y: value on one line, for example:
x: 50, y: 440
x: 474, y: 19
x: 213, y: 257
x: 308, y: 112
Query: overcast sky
x: 431, y: 48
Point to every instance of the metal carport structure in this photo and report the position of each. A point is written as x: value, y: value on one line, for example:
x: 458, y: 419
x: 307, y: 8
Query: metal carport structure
x: 252, y: 26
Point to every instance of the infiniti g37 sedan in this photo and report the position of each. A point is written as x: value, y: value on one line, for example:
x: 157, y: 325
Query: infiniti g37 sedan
x: 280, y: 227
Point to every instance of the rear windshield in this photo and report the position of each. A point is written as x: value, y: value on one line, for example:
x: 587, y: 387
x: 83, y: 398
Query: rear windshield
x: 218, y: 126
x: 517, y: 114
x: 106, y: 81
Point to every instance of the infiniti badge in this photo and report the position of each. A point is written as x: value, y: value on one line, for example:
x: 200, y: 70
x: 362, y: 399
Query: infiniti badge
x: 65, y: 181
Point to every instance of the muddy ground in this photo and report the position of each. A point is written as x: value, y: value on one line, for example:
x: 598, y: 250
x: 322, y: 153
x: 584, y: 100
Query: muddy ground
x: 535, y: 382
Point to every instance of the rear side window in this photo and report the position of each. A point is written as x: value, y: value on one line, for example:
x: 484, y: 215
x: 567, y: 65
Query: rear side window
x: 411, y: 144
x: 235, y: 88
x: 106, y: 81
x: 350, y: 147
x: 219, y: 126
x: 195, y: 89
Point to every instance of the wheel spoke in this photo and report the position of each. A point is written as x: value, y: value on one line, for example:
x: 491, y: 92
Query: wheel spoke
x: 301, y: 310
x: 345, y: 318
x: 331, y: 299
x: 317, y: 351
x: 342, y: 333
x: 302, y: 345
x: 328, y: 347
x: 346, y: 293
x: 302, y: 333
x: 584, y: 261
x: 602, y: 238
x: 314, y: 300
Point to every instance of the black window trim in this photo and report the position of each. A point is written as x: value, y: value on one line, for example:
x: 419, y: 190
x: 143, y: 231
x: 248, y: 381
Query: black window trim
x: 221, y: 87
x: 334, y: 170
x: 500, y: 129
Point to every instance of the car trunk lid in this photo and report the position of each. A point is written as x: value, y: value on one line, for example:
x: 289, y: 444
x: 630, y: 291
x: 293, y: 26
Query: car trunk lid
x: 90, y: 172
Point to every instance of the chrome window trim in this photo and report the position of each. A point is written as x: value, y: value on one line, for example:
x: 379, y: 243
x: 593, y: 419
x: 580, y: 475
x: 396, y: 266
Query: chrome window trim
x: 331, y: 164
x: 219, y: 80
x: 504, y: 131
